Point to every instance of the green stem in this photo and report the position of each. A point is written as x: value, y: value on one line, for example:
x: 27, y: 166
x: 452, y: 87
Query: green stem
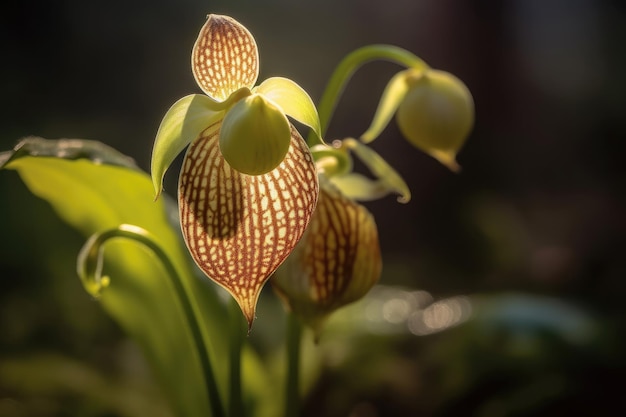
x: 348, y: 65
x: 292, y: 389
x: 90, y: 271
x: 237, y: 330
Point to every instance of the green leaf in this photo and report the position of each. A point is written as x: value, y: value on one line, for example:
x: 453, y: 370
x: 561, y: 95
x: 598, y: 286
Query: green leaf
x: 182, y: 124
x: 390, y: 100
x: 388, y: 177
x: 69, y: 149
x: 92, y: 196
x: 294, y: 101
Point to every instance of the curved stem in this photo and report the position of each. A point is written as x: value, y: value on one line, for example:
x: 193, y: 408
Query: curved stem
x: 292, y: 389
x: 238, y: 328
x: 350, y: 63
x: 89, y: 267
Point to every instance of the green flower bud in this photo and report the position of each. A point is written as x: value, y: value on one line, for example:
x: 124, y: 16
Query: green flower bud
x: 336, y: 262
x: 255, y: 135
x: 436, y: 115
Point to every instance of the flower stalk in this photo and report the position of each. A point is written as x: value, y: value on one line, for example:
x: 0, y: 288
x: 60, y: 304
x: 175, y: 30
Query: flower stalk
x: 236, y: 340
x: 89, y: 267
x: 348, y: 66
x: 292, y: 382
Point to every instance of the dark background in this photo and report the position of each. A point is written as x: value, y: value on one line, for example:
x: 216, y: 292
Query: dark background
x: 538, y: 208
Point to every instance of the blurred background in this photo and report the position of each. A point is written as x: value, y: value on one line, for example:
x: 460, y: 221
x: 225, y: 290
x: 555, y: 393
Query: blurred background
x: 503, y: 287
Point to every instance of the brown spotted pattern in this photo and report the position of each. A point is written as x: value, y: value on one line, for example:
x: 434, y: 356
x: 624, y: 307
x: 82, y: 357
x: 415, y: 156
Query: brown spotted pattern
x: 224, y: 57
x: 240, y: 228
x: 336, y: 262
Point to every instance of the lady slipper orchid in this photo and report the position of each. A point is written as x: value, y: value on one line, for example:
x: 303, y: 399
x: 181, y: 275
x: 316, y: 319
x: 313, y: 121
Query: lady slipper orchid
x: 248, y: 184
x: 337, y: 261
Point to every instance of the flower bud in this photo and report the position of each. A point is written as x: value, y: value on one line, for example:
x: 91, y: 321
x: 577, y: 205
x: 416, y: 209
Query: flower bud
x: 336, y: 262
x: 255, y: 135
x: 436, y: 115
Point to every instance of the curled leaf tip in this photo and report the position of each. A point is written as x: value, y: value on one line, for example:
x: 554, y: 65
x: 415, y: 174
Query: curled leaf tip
x: 91, y: 257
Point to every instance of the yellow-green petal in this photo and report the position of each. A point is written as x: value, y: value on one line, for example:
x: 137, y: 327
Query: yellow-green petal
x: 358, y: 187
x: 388, y: 177
x: 294, y: 101
x: 182, y: 123
x: 224, y: 57
x: 239, y: 228
x: 390, y: 100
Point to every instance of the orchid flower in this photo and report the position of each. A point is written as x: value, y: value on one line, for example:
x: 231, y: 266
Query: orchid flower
x: 248, y: 184
x: 338, y: 259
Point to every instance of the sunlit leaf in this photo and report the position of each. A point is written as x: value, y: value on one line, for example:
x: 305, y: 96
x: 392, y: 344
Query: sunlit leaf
x: 92, y: 196
x: 294, y: 101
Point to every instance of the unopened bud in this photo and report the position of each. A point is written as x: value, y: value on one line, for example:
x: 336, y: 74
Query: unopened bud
x: 336, y: 262
x: 437, y: 115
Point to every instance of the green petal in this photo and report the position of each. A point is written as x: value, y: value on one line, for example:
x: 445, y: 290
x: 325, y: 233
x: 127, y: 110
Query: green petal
x: 390, y: 100
x: 388, y: 176
x: 359, y: 187
x: 182, y: 123
x: 294, y: 101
